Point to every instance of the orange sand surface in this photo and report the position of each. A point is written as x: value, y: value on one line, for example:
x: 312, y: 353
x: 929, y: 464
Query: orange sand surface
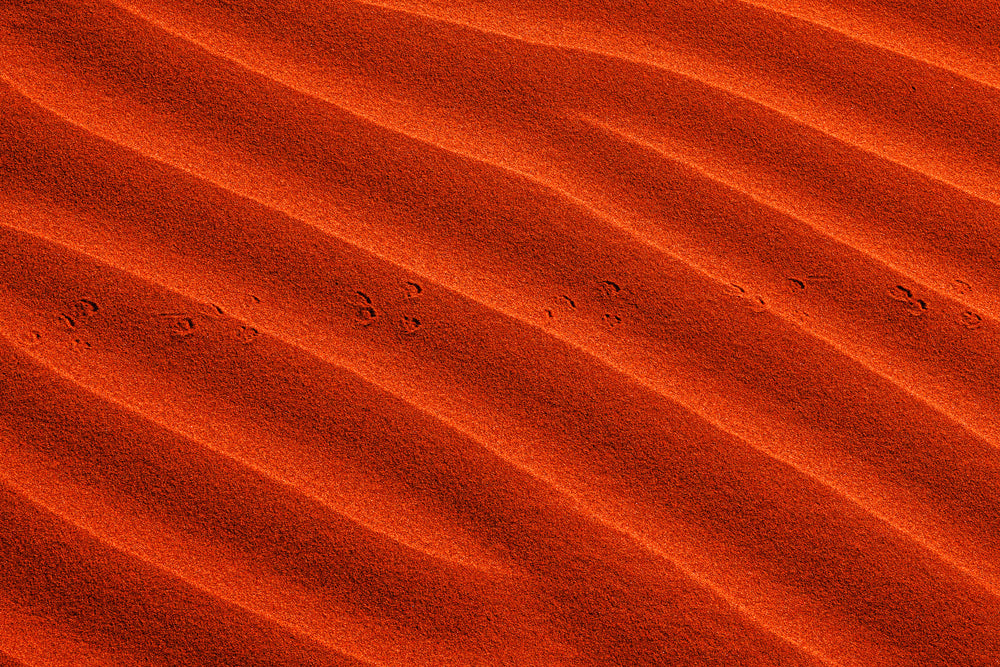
x: 520, y: 333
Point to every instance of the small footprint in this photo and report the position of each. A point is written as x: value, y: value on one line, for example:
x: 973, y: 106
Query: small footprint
x: 255, y: 299
x: 612, y: 320
x: 572, y: 304
x: 364, y: 297
x: 917, y: 306
x: 413, y: 289
x: 81, y: 345
x: 67, y: 320
x: 410, y: 325
x: 900, y: 293
x: 548, y: 311
x: 32, y: 338
x: 971, y: 320
x: 795, y: 282
x: 757, y: 304
x: 86, y: 307
x: 963, y: 287
x: 183, y: 327
x: 247, y: 334
x: 366, y: 315
x: 610, y: 288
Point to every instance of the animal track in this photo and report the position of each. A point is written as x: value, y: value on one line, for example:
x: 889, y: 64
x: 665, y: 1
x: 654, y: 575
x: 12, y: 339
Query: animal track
x: 795, y: 282
x: 572, y: 304
x: 900, y: 293
x: 363, y: 309
x: 963, y: 287
x: 612, y: 320
x: 183, y: 323
x: 86, y: 307
x: 67, y: 320
x: 971, y: 320
x: 610, y: 288
x: 81, y: 345
x: 917, y: 307
x: 413, y: 289
x: 757, y: 304
x: 247, y: 334
x: 183, y: 327
x: 410, y: 325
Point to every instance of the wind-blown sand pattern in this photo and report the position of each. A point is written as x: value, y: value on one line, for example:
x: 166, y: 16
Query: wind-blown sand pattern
x: 440, y: 332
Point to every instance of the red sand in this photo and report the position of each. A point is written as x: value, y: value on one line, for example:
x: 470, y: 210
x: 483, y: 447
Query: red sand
x: 521, y: 333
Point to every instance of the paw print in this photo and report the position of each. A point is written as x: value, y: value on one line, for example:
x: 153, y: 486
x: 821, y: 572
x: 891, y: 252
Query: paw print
x: 610, y: 288
x: 755, y: 303
x: 364, y: 312
x: 183, y: 327
x: 247, y: 334
x: 971, y: 320
x: 410, y: 325
x: 86, y: 307
x: 917, y: 307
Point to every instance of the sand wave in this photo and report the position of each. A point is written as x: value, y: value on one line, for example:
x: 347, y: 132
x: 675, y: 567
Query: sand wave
x: 453, y: 334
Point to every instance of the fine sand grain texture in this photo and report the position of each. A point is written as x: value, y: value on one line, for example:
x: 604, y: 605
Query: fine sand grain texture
x: 477, y: 334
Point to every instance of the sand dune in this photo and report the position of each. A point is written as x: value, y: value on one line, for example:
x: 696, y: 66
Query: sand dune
x: 411, y: 333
